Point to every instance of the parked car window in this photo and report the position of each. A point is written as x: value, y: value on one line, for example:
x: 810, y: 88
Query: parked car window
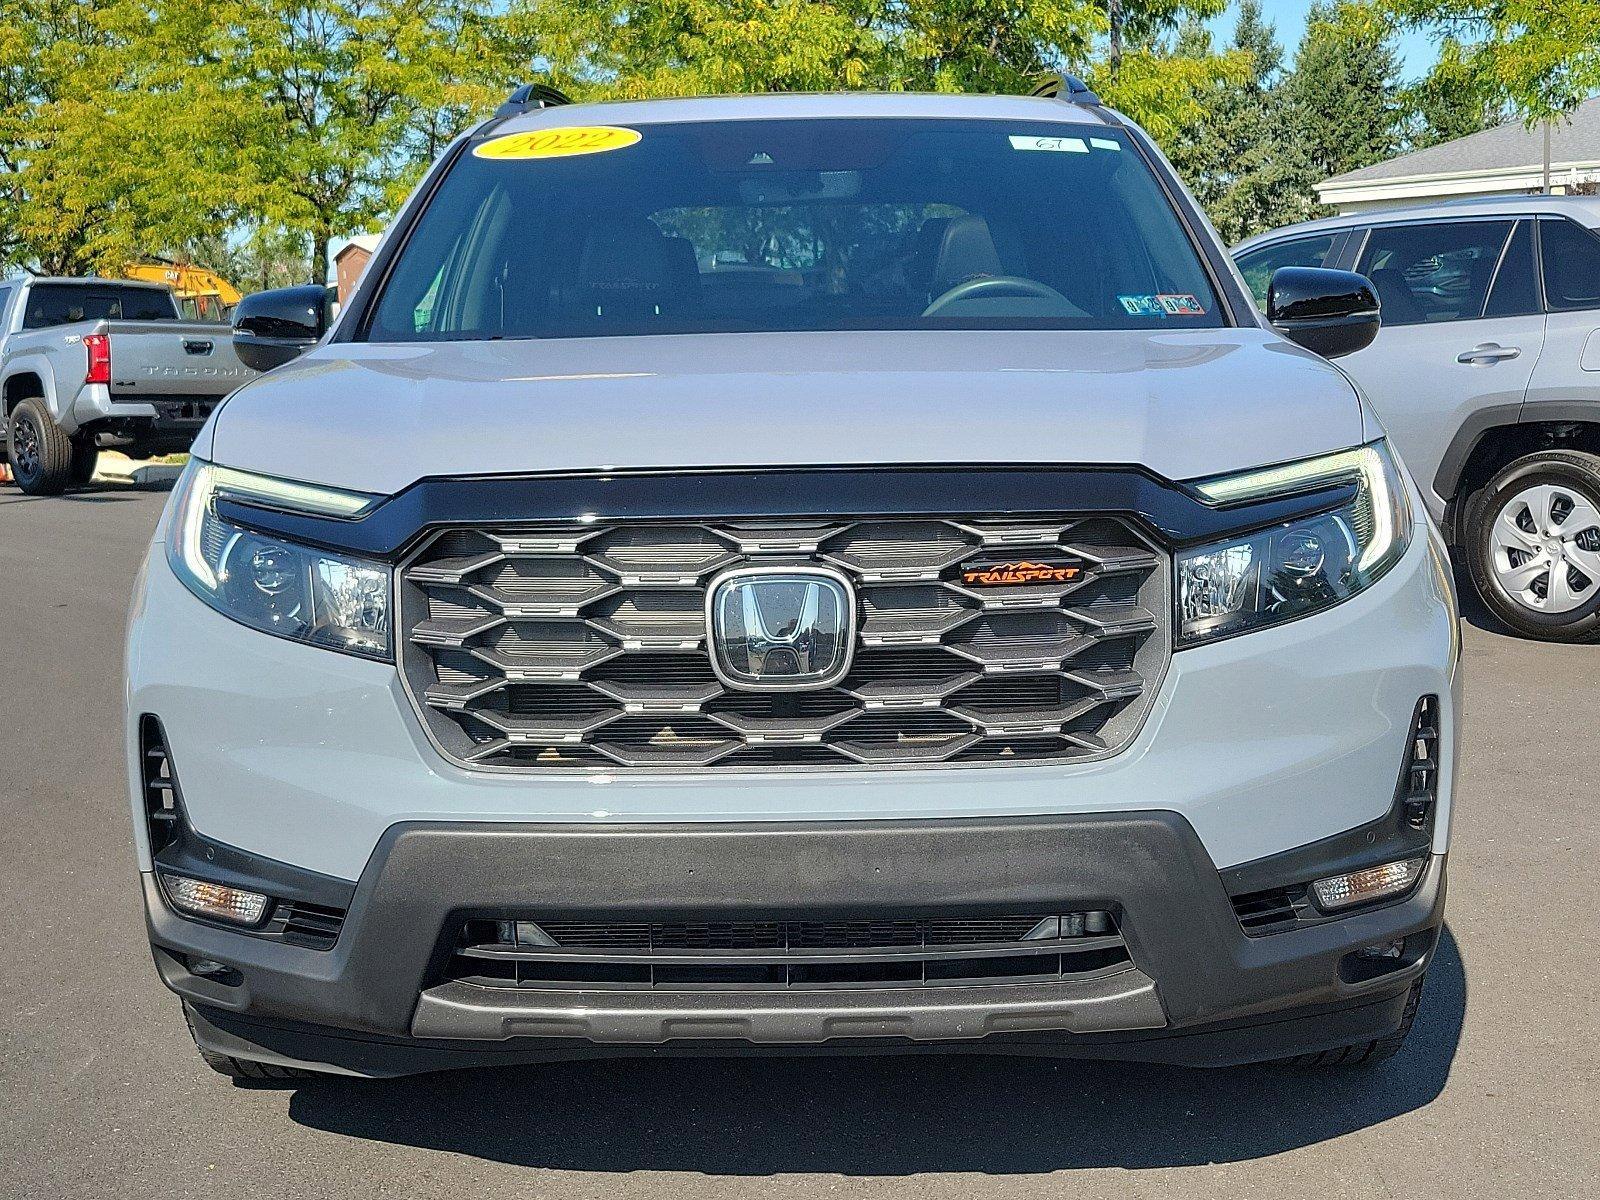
x: 1437, y: 272
x: 64, y: 303
x: 1571, y: 265
x: 1258, y: 265
x: 800, y: 225
x: 1515, y: 292
x: 5, y: 298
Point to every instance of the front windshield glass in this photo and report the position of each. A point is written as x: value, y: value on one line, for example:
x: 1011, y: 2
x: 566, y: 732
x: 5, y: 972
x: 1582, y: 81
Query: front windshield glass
x: 792, y: 225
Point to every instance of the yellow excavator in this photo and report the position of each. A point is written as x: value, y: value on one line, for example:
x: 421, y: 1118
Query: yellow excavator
x: 202, y: 295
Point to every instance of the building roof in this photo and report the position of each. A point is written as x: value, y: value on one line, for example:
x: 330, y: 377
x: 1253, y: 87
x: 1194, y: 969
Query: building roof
x: 1574, y: 142
x: 361, y: 241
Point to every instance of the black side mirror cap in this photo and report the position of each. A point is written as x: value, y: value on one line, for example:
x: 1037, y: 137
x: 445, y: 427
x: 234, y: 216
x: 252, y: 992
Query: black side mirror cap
x: 1331, y: 313
x: 272, y: 328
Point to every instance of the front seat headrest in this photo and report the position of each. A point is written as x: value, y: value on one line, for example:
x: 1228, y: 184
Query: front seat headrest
x: 1394, y: 294
x: 965, y: 252
x: 623, y: 269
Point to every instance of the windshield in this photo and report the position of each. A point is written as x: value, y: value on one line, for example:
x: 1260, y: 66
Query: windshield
x: 823, y: 224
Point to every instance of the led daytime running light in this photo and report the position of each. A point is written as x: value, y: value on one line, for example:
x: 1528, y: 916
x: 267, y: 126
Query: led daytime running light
x: 288, y: 493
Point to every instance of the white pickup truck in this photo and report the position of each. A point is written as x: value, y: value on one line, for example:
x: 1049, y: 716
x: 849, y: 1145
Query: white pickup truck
x: 91, y: 364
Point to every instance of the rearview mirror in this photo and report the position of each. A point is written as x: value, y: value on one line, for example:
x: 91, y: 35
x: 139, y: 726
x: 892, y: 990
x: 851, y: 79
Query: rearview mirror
x: 1331, y: 313
x: 271, y: 328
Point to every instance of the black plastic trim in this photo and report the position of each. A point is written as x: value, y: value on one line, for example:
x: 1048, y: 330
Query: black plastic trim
x: 1303, y: 1030
x: 1148, y: 868
x: 1504, y: 416
x: 1172, y: 513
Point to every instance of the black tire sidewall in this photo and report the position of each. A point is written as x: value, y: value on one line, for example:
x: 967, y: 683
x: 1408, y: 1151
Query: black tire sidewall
x: 55, y: 450
x: 1564, y: 469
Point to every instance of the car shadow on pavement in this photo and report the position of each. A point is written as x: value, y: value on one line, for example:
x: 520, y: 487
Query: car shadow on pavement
x: 891, y: 1116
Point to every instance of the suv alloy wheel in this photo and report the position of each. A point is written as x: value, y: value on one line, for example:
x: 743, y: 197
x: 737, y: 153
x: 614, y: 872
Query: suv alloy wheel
x: 1534, y: 545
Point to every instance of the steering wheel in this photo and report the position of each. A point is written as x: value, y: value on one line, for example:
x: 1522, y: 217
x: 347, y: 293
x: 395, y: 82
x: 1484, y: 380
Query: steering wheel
x: 994, y: 285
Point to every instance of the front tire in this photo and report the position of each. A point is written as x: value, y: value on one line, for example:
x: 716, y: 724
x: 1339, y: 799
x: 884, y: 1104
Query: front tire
x: 40, y: 451
x: 1364, y: 1054
x: 1533, y: 545
x: 245, y: 1070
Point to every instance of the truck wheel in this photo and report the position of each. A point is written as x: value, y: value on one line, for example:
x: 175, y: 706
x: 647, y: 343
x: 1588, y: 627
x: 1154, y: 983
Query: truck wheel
x: 245, y: 1068
x: 85, y: 457
x: 1364, y: 1054
x: 40, y: 453
x: 1533, y: 545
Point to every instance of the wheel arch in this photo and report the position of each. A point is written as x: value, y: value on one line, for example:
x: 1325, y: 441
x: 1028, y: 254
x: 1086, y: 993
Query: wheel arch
x: 22, y: 385
x: 1494, y: 437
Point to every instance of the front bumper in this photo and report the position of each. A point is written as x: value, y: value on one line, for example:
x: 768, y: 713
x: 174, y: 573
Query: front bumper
x: 1197, y: 988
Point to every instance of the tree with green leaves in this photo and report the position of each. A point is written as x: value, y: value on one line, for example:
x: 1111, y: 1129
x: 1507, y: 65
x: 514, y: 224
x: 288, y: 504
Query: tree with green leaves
x: 1345, y: 87
x: 1449, y: 102
x: 606, y: 48
x: 1243, y: 159
x: 1539, y: 57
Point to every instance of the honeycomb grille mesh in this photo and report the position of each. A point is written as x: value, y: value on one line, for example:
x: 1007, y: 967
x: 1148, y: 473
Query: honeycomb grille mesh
x: 561, y: 647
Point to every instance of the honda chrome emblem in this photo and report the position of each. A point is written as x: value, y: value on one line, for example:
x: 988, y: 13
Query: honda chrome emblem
x: 775, y: 629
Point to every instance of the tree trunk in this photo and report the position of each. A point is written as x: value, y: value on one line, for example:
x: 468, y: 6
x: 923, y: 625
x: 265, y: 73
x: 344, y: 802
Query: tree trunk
x: 319, y: 254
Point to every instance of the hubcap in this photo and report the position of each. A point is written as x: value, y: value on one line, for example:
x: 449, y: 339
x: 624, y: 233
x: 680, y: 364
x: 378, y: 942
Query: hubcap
x: 1545, y: 549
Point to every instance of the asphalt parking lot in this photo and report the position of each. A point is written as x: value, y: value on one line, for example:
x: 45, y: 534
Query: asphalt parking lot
x: 1497, y: 1095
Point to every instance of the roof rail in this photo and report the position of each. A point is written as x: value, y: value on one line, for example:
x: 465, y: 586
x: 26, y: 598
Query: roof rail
x: 1058, y: 85
x: 530, y: 96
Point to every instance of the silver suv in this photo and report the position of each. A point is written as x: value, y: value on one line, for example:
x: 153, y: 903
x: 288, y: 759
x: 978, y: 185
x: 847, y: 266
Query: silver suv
x: 1487, y: 375
x: 795, y: 571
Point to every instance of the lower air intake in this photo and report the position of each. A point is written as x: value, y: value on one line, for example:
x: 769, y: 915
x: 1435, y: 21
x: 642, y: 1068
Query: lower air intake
x: 778, y: 954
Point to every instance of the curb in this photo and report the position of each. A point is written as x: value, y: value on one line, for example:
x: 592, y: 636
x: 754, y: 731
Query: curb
x: 126, y: 471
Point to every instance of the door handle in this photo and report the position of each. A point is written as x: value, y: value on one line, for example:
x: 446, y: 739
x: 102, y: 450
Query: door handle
x: 196, y: 347
x: 1487, y: 354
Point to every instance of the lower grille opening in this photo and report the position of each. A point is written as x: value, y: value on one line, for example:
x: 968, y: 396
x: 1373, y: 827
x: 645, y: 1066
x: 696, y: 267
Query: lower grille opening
x: 777, y: 954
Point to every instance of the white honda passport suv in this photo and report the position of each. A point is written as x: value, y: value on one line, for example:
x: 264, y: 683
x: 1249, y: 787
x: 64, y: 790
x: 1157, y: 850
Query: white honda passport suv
x: 846, y: 572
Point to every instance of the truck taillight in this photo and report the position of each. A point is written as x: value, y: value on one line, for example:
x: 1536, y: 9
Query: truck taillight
x: 98, y: 346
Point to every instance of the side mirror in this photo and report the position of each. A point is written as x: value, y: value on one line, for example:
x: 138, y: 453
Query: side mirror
x: 1331, y: 313
x: 271, y: 328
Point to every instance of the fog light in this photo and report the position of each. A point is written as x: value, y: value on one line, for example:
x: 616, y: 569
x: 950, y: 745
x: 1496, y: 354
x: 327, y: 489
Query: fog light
x: 1374, y: 883
x: 1392, y: 949
x: 202, y: 899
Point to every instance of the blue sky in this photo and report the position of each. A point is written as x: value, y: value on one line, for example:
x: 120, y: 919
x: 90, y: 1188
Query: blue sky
x: 1289, y: 16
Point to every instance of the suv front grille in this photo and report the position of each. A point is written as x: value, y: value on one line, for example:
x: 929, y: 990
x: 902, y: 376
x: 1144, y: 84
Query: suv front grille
x: 748, y: 955
x: 585, y: 646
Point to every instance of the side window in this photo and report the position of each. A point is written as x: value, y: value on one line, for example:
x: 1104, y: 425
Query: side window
x: 1432, y: 273
x: 5, y: 299
x: 1571, y: 265
x: 1258, y: 265
x: 1515, y: 291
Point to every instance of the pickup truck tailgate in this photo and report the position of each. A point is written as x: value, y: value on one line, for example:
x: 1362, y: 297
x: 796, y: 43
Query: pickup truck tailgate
x: 170, y: 360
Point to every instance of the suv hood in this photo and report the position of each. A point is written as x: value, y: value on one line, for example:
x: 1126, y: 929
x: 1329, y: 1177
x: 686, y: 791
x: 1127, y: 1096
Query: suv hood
x: 1184, y: 404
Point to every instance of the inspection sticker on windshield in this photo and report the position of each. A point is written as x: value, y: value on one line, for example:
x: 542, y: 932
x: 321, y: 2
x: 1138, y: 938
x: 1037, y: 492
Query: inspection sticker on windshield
x: 558, y: 143
x: 1064, y: 145
x: 1142, y: 306
x: 1181, y: 305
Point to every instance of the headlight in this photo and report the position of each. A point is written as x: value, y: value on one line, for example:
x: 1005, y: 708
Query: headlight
x: 1291, y: 570
x: 268, y: 582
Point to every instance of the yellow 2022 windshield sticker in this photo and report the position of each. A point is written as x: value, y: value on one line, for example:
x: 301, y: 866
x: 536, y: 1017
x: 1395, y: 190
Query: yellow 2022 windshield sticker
x: 558, y: 143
